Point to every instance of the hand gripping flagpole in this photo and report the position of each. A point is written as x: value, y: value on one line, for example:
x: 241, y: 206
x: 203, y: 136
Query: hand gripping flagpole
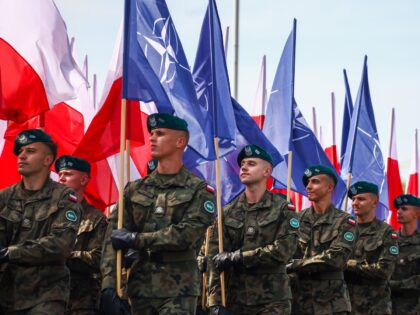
x: 204, y: 274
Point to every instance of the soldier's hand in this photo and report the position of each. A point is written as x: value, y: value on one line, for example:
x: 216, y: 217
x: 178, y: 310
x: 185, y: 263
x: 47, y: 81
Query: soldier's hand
x: 203, y: 264
x: 4, y: 254
x: 130, y: 257
x: 218, y: 310
x: 111, y: 304
x: 290, y: 267
x: 351, y: 263
x: 123, y: 239
x: 224, y: 260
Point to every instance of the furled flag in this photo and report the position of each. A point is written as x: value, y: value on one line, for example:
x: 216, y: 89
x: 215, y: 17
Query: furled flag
x: 393, y: 175
x: 37, y: 69
x: 348, y: 111
x: 331, y: 149
x: 414, y: 178
x: 260, y: 99
x: 288, y: 130
x: 363, y: 157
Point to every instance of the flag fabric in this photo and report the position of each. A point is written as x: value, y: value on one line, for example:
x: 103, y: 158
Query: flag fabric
x: 414, y: 178
x: 393, y: 175
x: 288, y: 130
x: 331, y: 149
x: 348, y: 111
x: 37, y: 69
x: 260, y: 99
x: 363, y: 157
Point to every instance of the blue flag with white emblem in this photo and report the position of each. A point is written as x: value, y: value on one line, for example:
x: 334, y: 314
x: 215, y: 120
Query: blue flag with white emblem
x: 363, y: 157
x: 348, y: 111
x: 155, y: 69
x: 288, y: 130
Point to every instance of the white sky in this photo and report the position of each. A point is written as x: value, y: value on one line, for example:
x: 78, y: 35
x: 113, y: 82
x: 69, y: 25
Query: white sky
x: 331, y: 35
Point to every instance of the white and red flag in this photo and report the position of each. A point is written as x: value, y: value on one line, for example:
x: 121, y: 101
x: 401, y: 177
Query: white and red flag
x: 331, y: 148
x: 413, y: 179
x: 260, y: 99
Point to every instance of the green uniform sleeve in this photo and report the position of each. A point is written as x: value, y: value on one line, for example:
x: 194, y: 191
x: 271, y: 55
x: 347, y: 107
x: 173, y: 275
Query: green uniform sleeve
x: 411, y: 283
x: 382, y: 268
x: 109, y: 255
x: 282, y: 249
x: 333, y: 258
x: 182, y: 235
x: 58, y: 244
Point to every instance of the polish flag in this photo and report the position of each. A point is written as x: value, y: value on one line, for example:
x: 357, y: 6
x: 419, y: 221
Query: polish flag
x: 37, y: 69
x: 331, y: 150
x: 413, y: 180
x: 260, y: 100
x: 393, y: 175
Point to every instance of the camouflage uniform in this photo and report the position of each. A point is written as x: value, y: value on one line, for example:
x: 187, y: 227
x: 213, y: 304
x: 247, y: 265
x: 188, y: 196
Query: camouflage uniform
x: 266, y: 233
x: 84, y: 262
x: 40, y: 230
x: 370, y: 267
x: 405, y: 281
x: 325, y: 244
x: 171, y: 214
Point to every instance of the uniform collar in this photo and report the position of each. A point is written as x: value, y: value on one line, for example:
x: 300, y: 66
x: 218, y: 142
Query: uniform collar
x: 43, y: 193
x: 265, y: 201
x: 179, y: 180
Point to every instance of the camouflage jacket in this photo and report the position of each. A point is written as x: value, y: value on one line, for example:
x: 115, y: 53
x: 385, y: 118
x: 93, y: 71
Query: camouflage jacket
x: 370, y: 267
x: 39, y: 231
x: 171, y: 214
x: 405, y: 281
x: 266, y: 233
x: 325, y: 244
x: 85, y: 258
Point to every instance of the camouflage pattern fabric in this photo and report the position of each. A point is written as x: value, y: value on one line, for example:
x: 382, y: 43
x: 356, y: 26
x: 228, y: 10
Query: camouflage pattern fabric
x: 370, y: 267
x: 46, y: 308
x: 405, y: 281
x: 266, y: 233
x: 325, y: 244
x: 171, y: 214
x: 169, y: 306
x: 85, y: 280
x: 40, y: 231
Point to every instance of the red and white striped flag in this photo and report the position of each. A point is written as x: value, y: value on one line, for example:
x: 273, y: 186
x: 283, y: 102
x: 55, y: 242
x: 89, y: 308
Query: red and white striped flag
x: 260, y: 100
x: 393, y: 175
x: 413, y: 180
x: 331, y: 148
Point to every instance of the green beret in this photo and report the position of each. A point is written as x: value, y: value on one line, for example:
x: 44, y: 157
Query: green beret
x: 151, y: 166
x: 406, y: 200
x: 252, y: 150
x: 30, y: 136
x: 315, y: 170
x: 361, y: 188
x: 164, y: 120
x: 68, y: 162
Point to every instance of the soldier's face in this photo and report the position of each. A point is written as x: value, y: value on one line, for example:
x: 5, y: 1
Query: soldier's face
x: 164, y: 142
x: 407, y: 214
x: 254, y: 170
x: 318, y: 187
x: 364, y: 204
x: 33, y: 158
x: 74, y: 179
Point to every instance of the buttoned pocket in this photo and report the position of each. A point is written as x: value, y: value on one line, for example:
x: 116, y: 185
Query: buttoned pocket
x: 141, y: 202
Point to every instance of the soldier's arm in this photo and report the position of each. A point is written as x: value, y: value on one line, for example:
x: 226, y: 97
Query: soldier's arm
x: 58, y: 244
x: 282, y: 249
x: 336, y: 256
x: 182, y: 235
x: 382, y: 268
x: 82, y: 259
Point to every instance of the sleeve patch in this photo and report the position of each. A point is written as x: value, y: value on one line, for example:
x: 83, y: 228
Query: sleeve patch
x: 71, y: 215
x: 209, y: 206
x: 72, y: 197
x: 210, y: 189
x: 291, y: 206
x: 394, y: 250
x: 394, y: 236
x: 294, y: 223
x: 351, y: 221
x: 349, y: 236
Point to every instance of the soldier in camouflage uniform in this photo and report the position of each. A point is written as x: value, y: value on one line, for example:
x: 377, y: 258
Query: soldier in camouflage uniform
x: 260, y: 236
x: 39, y: 219
x: 374, y: 257
x: 405, y: 281
x: 85, y: 284
x: 165, y: 217
x: 326, y: 240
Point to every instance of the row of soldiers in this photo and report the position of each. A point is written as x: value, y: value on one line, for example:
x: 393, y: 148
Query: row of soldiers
x: 58, y: 253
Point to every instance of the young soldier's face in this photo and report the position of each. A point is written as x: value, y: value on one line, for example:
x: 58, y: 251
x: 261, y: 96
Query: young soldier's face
x: 407, y: 214
x: 364, y: 204
x: 319, y: 186
x: 73, y: 179
x: 33, y: 158
x: 254, y: 170
x: 164, y: 142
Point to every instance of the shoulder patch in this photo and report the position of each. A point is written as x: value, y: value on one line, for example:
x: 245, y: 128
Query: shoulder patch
x: 210, y: 189
x: 394, y: 250
x: 209, y: 206
x: 349, y: 236
x: 294, y: 223
x: 72, y: 197
x: 394, y: 235
x: 291, y: 206
x: 351, y: 221
x: 71, y: 215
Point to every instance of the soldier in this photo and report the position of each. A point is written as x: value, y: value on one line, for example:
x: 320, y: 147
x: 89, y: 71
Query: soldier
x: 85, y: 281
x: 39, y: 219
x: 326, y: 239
x: 375, y: 254
x: 259, y: 236
x: 165, y: 217
x: 405, y: 281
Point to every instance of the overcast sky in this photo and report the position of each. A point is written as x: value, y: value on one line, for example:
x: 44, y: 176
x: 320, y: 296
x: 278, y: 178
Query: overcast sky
x: 331, y: 35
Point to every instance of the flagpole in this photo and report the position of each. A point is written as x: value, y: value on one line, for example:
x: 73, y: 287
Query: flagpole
x: 204, y: 274
x: 314, y: 125
x: 264, y: 91
x: 236, y: 49
x: 219, y: 217
x: 346, y: 199
x: 121, y: 192
x: 333, y: 117
x: 226, y: 41
x: 289, y: 175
